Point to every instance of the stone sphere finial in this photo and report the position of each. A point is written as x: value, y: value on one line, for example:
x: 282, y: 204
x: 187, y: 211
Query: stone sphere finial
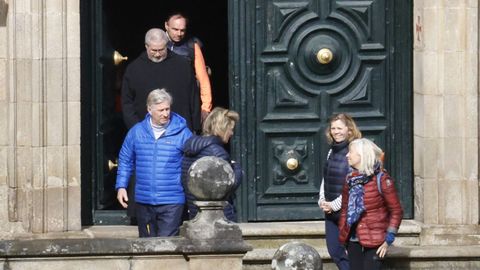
x: 210, y: 178
x: 296, y: 255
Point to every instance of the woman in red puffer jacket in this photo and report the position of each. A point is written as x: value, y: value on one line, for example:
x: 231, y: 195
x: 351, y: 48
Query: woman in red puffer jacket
x: 371, y: 215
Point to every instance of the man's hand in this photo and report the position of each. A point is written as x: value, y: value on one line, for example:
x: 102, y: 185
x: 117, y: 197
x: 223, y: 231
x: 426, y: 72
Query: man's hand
x: 122, y: 197
x: 204, y: 115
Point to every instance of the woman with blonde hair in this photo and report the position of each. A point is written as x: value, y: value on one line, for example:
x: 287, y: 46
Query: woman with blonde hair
x: 341, y: 130
x: 371, y: 212
x: 216, y: 132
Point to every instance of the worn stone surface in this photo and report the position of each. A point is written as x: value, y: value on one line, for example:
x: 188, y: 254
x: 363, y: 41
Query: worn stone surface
x: 209, y: 262
x: 296, y: 256
x: 210, y: 178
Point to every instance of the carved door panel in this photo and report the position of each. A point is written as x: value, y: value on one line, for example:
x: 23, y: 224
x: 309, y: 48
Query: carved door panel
x: 312, y: 59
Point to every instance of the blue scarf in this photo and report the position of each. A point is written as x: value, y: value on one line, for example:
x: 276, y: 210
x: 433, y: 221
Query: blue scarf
x: 356, y: 191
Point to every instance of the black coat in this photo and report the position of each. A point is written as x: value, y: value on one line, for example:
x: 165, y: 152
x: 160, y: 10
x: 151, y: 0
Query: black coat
x: 175, y: 74
x: 201, y: 146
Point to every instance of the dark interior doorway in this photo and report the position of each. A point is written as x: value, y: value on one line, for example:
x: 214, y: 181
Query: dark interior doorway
x: 120, y: 25
x: 127, y: 22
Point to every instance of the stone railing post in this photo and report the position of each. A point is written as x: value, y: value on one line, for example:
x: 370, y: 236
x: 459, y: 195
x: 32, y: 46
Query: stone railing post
x: 210, y: 233
x: 298, y: 256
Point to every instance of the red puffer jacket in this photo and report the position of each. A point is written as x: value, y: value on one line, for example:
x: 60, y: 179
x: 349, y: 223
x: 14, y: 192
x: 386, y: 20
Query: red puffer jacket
x: 383, y: 213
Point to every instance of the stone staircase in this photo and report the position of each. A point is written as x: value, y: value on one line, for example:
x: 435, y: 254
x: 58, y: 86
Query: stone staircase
x: 416, y: 246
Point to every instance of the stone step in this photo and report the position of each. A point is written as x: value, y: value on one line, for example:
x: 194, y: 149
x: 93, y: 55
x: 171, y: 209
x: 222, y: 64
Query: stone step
x: 414, y: 248
x: 272, y: 235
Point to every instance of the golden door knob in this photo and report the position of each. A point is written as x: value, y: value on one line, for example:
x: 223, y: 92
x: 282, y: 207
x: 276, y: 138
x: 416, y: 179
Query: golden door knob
x: 112, y: 165
x: 324, y: 56
x: 292, y: 164
x: 118, y: 58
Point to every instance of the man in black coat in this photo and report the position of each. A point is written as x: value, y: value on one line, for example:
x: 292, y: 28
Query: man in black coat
x: 158, y: 68
x: 155, y: 68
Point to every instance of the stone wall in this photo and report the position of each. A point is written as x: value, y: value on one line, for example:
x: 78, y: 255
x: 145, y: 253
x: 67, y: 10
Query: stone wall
x: 446, y: 111
x: 40, y: 116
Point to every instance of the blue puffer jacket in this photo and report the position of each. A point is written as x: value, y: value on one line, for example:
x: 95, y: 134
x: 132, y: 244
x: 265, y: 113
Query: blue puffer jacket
x: 201, y: 146
x: 157, y: 163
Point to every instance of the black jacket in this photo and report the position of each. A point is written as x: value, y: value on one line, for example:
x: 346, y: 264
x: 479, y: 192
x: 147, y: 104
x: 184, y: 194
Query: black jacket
x: 175, y: 74
x: 201, y: 146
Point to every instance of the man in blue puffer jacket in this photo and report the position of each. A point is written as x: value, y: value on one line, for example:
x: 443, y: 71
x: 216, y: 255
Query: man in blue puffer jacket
x: 153, y: 149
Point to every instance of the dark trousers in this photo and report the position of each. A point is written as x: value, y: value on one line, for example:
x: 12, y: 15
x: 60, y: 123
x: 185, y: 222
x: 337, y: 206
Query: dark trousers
x: 363, y: 258
x: 335, y: 249
x: 158, y: 220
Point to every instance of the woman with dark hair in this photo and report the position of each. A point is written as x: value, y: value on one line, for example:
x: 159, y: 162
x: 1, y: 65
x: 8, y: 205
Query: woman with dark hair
x: 341, y: 130
x: 217, y: 131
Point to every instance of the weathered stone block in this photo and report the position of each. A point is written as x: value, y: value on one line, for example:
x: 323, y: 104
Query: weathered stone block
x: 3, y: 80
x: 453, y: 74
x: 430, y: 192
x: 471, y: 30
x: 23, y: 36
x: 38, y: 213
x: 73, y: 126
x: 4, y: 124
x: 73, y: 80
x: 71, y: 264
x: 38, y: 172
x: 56, y: 163
x: 54, y: 30
x: 431, y: 162
x: 208, y: 262
x: 74, y: 222
x: 55, y: 219
x: 3, y: 166
x: 451, y: 202
x: 55, y: 125
x: 23, y: 124
x: 55, y: 70
x: 433, y: 112
x: 454, y: 35
x: 37, y: 124
x: 433, y: 22
x: 161, y: 263
x: 452, y: 160
x: 23, y: 170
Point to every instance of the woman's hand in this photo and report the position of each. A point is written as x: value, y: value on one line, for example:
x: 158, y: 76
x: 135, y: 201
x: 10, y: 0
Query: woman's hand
x: 382, y: 250
x: 326, y: 207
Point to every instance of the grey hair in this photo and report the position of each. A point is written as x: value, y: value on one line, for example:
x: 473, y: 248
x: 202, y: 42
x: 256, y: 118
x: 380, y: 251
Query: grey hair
x: 159, y: 96
x: 369, y: 153
x: 156, y: 35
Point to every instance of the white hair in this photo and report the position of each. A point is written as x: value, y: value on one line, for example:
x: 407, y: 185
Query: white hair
x: 369, y: 152
x: 156, y: 35
x: 158, y: 96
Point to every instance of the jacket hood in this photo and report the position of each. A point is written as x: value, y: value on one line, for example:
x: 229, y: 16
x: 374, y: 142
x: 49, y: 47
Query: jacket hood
x: 175, y: 126
x: 196, y: 144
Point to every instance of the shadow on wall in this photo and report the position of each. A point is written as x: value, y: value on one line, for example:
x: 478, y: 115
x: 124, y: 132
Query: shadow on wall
x: 3, y: 12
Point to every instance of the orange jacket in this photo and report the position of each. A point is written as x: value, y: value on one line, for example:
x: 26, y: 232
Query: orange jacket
x: 203, y: 79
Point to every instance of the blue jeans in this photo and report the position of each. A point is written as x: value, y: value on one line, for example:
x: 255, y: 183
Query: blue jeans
x: 336, y: 251
x: 158, y: 220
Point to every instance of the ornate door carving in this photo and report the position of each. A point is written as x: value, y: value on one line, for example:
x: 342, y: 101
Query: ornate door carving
x: 308, y: 60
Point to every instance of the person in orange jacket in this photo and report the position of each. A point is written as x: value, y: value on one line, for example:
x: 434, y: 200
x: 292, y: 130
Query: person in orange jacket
x: 190, y: 47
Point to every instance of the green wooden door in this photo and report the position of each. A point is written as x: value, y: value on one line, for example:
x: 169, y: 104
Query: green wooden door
x: 293, y: 64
